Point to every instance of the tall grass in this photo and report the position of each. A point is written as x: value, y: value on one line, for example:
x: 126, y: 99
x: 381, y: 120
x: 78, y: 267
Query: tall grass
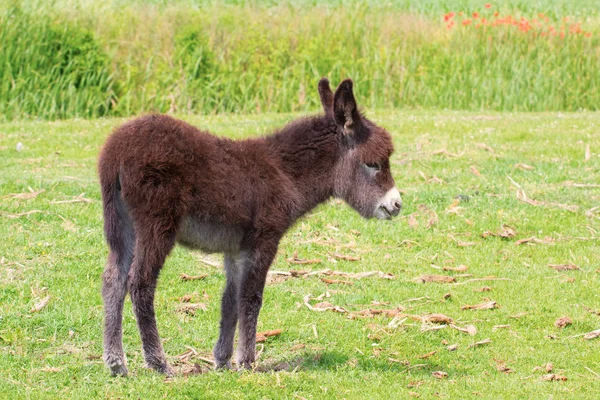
x: 127, y: 57
x: 50, y: 69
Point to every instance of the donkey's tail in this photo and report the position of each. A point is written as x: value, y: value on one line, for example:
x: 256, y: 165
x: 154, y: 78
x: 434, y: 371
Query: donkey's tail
x: 118, y: 227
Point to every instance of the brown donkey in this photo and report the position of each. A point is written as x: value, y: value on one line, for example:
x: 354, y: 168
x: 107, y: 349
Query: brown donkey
x: 164, y: 181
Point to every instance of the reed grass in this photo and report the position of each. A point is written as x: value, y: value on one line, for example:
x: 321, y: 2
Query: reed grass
x: 126, y: 57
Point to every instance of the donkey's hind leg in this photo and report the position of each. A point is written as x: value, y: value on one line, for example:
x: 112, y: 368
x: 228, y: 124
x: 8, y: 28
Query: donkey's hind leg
x: 121, y: 239
x: 229, y: 313
x: 151, y: 250
x: 114, y: 290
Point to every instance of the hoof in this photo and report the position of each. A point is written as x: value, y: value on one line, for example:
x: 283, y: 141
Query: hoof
x: 169, y: 372
x: 245, y: 365
x: 222, y: 365
x: 163, y: 368
x: 116, y: 365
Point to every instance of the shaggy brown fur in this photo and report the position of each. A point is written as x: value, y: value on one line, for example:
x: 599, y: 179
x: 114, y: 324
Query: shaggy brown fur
x: 164, y: 181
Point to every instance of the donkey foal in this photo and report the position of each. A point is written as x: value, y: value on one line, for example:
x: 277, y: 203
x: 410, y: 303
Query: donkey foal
x: 164, y: 181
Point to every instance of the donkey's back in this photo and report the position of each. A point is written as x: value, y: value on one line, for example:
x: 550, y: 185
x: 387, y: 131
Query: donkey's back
x: 212, y: 188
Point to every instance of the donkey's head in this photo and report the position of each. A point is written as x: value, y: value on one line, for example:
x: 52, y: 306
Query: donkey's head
x: 362, y: 176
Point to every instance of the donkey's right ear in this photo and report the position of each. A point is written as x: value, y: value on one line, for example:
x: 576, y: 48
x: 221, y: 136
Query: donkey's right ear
x: 346, y: 114
x: 326, y: 97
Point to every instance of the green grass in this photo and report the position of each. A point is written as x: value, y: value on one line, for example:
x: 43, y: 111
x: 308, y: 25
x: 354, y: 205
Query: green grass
x: 57, y: 250
x: 66, y: 59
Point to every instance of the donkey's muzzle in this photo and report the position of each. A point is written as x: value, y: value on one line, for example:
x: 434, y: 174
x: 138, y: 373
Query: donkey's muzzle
x: 393, y: 208
x: 390, y: 205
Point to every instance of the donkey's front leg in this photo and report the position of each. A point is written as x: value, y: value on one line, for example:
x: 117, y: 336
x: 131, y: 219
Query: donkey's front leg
x: 229, y: 312
x: 250, y: 300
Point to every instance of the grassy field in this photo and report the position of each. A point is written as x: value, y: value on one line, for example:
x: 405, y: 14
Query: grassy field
x: 462, y: 174
x: 82, y: 58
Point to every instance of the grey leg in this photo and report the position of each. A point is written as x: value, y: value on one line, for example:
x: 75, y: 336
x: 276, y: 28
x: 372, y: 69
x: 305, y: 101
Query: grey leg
x: 149, y: 257
x: 229, y: 313
x: 250, y: 301
x: 114, y: 290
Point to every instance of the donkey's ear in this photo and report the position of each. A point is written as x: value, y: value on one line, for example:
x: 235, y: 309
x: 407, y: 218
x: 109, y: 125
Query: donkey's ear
x: 346, y: 114
x: 326, y: 96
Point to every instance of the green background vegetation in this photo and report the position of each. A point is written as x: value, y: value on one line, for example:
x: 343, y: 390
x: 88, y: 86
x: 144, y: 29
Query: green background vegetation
x: 63, y: 59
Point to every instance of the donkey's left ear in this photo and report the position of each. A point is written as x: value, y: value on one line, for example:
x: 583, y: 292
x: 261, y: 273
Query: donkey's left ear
x: 346, y: 114
x: 326, y: 97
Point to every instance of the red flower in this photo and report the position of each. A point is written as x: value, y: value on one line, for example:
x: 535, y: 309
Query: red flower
x: 475, y: 15
x: 488, y: 5
x: 449, y: 16
x: 588, y: 34
x: 575, y: 28
x: 496, y: 13
x: 466, y: 22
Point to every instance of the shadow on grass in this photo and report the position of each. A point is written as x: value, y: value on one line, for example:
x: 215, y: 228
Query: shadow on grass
x: 334, y: 360
x: 315, y: 360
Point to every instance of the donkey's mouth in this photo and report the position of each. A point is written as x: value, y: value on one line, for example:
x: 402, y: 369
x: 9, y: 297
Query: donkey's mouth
x: 382, y: 213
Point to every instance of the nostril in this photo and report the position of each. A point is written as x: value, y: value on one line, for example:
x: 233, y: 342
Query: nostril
x: 394, y: 208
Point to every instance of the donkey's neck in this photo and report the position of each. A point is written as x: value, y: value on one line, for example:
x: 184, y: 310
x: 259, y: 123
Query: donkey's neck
x: 308, y: 150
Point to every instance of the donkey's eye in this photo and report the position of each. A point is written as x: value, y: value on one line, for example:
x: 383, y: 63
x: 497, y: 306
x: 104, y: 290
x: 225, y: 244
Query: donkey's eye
x: 376, y: 166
